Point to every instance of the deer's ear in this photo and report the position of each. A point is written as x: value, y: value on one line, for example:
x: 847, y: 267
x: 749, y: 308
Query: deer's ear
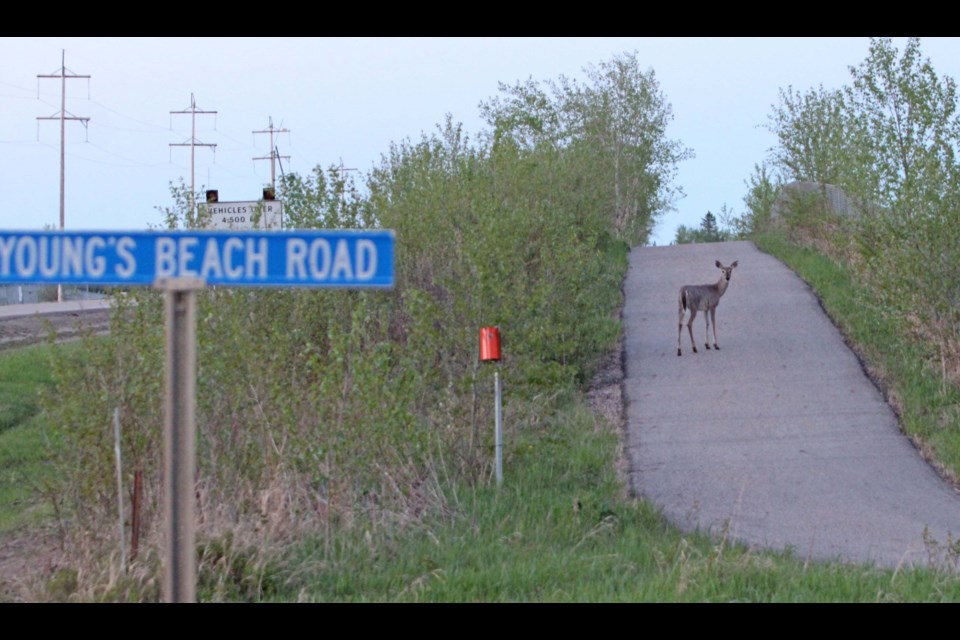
x: 734, y: 264
x: 719, y: 266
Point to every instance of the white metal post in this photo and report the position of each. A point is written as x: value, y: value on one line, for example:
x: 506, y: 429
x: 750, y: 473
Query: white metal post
x: 116, y: 445
x: 498, y: 433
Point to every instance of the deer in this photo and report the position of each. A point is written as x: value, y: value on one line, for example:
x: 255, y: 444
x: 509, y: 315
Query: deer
x: 703, y: 297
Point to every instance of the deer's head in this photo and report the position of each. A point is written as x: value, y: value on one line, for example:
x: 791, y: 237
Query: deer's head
x: 726, y: 270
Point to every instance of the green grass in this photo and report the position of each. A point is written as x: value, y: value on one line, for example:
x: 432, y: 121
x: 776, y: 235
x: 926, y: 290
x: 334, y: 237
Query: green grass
x: 23, y: 373
x: 526, y: 542
x: 929, y: 410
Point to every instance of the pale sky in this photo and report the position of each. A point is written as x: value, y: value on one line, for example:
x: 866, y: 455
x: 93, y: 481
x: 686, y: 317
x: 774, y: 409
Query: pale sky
x: 346, y: 99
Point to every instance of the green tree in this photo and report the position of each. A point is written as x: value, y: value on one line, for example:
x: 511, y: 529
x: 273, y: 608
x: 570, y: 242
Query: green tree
x: 910, y: 130
x: 322, y: 200
x: 709, y: 230
x: 762, y: 190
x: 708, y: 227
x: 812, y: 130
x: 526, y: 115
x: 888, y: 139
x: 686, y: 235
x: 906, y: 126
x: 732, y: 226
x: 613, y: 130
x: 624, y: 117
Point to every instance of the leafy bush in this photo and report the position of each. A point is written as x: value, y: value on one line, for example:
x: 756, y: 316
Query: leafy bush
x: 328, y: 410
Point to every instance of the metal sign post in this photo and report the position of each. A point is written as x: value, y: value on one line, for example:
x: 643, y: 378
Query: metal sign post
x: 180, y: 310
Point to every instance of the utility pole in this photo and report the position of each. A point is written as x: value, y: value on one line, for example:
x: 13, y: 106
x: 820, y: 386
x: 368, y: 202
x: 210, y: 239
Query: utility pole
x: 193, y: 143
x: 273, y: 153
x: 62, y: 117
x: 343, y: 169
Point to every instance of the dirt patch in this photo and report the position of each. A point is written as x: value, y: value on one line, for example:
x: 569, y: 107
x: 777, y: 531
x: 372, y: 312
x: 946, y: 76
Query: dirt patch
x: 606, y: 399
x: 605, y: 393
x: 25, y: 560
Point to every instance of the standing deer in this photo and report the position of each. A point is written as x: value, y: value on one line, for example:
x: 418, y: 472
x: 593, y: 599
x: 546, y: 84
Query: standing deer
x: 703, y: 297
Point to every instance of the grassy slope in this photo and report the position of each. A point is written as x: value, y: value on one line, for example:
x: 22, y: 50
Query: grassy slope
x: 561, y: 530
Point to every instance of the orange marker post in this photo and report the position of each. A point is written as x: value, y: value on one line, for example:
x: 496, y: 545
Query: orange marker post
x: 490, y: 352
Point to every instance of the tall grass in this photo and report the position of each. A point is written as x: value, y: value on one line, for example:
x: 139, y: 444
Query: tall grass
x: 24, y: 438
x: 561, y: 529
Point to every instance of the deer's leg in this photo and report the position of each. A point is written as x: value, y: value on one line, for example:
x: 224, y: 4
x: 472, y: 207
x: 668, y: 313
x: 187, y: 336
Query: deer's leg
x: 680, y: 325
x: 713, y: 321
x: 706, y: 324
x: 693, y: 314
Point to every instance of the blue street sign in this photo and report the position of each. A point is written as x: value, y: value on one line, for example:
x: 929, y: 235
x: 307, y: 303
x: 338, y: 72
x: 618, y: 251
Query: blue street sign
x: 324, y: 258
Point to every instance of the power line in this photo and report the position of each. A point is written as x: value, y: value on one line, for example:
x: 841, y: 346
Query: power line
x: 62, y: 117
x: 150, y: 125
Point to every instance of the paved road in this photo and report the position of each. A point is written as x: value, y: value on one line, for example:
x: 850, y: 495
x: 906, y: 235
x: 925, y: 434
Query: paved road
x: 24, y: 324
x: 778, y: 440
x: 47, y: 308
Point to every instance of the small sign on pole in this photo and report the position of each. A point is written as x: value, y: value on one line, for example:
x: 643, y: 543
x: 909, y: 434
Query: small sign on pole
x: 490, y: 352
x: 262, y: 215
x: 489, y: 344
